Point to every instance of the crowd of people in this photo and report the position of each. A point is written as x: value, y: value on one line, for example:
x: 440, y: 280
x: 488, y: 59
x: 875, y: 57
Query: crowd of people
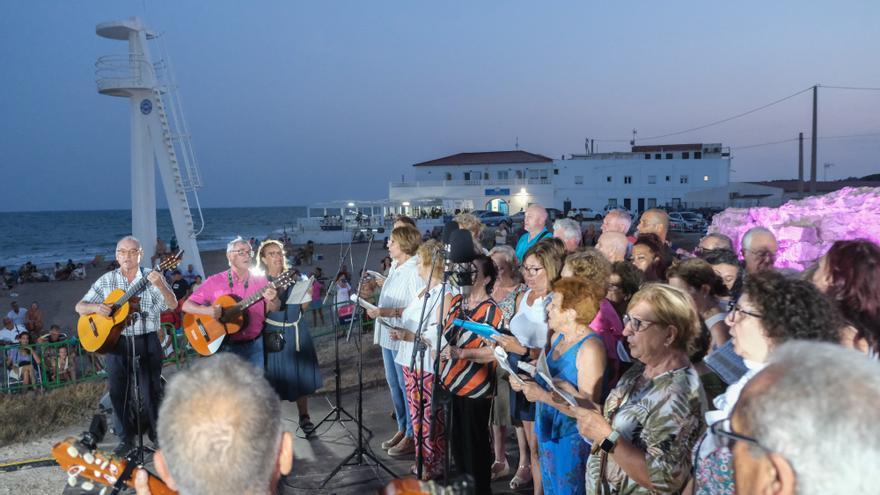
x: 666, y: 365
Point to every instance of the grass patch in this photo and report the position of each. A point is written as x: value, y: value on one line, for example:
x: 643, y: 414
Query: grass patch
x: 28, y: 416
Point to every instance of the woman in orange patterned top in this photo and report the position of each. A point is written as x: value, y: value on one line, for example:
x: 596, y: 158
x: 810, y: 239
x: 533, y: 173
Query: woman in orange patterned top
x: 469, y: 376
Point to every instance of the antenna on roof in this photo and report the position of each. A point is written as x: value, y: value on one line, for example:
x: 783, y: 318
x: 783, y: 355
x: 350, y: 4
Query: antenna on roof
x: 633, y: 141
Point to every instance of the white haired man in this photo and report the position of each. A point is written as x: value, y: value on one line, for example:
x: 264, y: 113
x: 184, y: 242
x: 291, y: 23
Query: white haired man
x: 139, y: 333
x: 805, y: 424
x: 759, y: 250
x: 616, y: 221
x: 239, y: 281
x: 613, y: 245
x: 221, y: 432
x: 534, y: 222
x: 569, y: 232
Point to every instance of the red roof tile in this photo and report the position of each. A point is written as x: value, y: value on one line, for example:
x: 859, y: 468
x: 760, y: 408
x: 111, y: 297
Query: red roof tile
x: 487, y: 158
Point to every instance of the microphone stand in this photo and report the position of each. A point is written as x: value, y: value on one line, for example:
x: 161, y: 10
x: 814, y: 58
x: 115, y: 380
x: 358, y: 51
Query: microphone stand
x: 362, y: 449
x: 337, y: 411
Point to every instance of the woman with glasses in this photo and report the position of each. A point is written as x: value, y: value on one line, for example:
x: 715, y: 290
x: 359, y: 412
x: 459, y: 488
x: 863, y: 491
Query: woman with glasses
x: 772, y: 310
x: 849, y: 275
x: 508, y: 286
x: 468, y: 373
x: 540, y: 268
x: 652, y: 419
x: 293, y: 371
x: 577, y: 363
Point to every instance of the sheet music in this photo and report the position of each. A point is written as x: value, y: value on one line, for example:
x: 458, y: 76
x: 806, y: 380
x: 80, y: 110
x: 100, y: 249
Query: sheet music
x: 542, y: 370
x: 501, y: 357
x: 301, y: 292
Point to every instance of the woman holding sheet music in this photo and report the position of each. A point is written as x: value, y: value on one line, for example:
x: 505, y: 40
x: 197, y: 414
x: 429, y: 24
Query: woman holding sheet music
x: 578, y: 366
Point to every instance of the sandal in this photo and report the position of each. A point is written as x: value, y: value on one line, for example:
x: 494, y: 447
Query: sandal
x: 499, y: 470
x: 519, y: 481
x: 306, y: 425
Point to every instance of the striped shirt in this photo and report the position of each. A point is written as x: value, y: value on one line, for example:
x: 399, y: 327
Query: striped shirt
x: 400, y: 288
x: 460, y: 376
x: 152, y: 303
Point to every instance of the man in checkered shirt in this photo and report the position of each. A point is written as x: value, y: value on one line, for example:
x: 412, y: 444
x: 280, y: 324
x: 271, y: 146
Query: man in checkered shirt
x: 139, y: 338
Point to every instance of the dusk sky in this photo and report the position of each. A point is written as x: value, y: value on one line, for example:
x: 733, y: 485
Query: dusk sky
x: 293, y: 102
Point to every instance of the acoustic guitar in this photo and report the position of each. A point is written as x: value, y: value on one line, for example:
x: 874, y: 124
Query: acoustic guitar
x: 85, y: 468
x: 205, y: 333
x: 100, y: 333
x: 412, y: 486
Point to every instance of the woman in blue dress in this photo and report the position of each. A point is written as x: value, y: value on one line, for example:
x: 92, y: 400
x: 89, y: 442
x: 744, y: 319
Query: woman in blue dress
x: 293, y: 372
x: 577, y: 365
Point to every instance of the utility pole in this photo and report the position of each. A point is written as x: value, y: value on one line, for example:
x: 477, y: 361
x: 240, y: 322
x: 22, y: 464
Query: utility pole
x: 801, y: 164
x: 813, y: 158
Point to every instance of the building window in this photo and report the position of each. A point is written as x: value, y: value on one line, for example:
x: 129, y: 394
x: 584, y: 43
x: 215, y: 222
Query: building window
x: 652, y: 179
x: 555, y: 171
x: 627, y: 179
x: 668, y: 178
x: 657, y: 156
x: 685, y: 155
x: 683, y: 179
x: 578, y: 179
x: 612, y: 202
x: 502, y: 174
x: 608, y: 179
x: 705, y: 178
x: 647, y: 156
x: 467, y: 176
x: 676, y: 202
x: 698, y: 155
x: 652, y: 202
x: 669, y: 156
x: 448, y: 176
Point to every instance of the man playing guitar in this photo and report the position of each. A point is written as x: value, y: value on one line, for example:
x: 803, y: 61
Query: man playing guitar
x: 239, y: 281
x: 140, y: 330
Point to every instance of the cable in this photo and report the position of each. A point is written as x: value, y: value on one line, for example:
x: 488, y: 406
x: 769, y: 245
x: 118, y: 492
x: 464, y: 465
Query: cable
x: 727, y: 119
x: 857, y: 88
x: 847, y: 136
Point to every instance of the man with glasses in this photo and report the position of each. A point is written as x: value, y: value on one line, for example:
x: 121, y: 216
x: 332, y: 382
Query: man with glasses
x: 759, y: 250
x: 713, y: 242
x: 138, y: 338
x: 239, y: 281
x: 806, y: 423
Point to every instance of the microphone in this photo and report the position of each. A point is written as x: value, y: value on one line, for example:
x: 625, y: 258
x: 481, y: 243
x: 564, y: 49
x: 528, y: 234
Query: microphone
x: 461, y: 254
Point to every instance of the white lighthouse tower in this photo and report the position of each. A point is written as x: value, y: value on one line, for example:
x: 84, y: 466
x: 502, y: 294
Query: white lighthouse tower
x: 159, y: 137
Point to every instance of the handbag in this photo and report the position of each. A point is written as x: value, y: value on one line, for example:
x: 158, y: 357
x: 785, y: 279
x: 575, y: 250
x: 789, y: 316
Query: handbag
x: 273, y: 340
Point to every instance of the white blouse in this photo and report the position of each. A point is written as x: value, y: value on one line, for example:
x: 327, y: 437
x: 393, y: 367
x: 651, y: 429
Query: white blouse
x: 529, y: 323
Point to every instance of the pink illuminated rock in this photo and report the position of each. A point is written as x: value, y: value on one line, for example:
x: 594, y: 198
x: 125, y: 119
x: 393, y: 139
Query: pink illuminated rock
x: 805, y: 229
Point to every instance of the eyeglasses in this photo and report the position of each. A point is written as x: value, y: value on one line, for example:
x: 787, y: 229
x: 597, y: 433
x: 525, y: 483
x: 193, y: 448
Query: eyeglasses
x: 531, y: 270
x: 638, y: 325
x: 726, y: 437
x: 242, y: 252
x: 129, y: 252
x: 761, y: 253
x: 738, y: 309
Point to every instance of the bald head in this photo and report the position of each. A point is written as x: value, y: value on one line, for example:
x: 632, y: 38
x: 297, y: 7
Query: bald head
x: 654, y: 221
x: 616, y: 221
x: 613, y: 246
x: 535, y: 219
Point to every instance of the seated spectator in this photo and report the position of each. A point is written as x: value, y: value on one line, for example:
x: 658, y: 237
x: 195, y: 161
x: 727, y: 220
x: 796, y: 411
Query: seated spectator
x: 17, y: 314
x: 221, y: 432
x: 33, y: 320
x: 61, y: 365
x: 79, y: 273
x: 806, y: 424
x: 10, y: 331
x: 647, y: 256
x: 21, y: 361
x: 53, y: 336
x: 759, y: 250
x: 60, y: 272
x: 97, y: 261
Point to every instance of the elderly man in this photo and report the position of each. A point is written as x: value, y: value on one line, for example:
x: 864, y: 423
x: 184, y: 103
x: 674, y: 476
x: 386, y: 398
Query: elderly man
x: 17, y: 314
x: 759, y: 249
x: 569, y: 232
x: 221, y: 432
x: 613, y: 246
x: 534, y: 223
x: 10, y: 332
x: 806, y: 423
x: 239, y: 281
x: 654, y: 221
x: 138, y: 338
x: 617, y: 221
x: 714, y: 242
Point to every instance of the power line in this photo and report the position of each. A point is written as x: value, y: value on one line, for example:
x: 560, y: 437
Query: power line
x: 857, y: 88
x: 727, y: 119
x: 847, y: 136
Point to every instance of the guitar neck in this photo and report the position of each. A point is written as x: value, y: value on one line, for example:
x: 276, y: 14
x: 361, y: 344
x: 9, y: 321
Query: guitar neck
x: 133, y: 290
x: 250, y: 300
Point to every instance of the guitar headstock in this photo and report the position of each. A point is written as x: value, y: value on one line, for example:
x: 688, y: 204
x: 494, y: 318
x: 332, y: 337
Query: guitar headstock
x: 285, y: 279
x: 170, y: 261
x: 96, y: 467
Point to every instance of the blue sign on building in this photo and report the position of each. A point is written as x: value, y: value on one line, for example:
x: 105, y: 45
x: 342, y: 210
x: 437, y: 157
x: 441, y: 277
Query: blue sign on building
x: 498, y: 192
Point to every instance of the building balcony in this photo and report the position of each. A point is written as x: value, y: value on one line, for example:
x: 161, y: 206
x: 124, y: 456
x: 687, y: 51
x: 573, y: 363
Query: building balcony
x: 477, y: 182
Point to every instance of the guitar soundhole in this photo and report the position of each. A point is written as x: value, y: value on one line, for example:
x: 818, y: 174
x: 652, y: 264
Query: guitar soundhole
x: 94, y: 328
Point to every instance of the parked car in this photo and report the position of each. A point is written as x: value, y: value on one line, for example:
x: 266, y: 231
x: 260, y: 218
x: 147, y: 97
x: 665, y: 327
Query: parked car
x: 678, y: 222
x: 585, y: 213
x: 491, y: 218
x: 696, y: 218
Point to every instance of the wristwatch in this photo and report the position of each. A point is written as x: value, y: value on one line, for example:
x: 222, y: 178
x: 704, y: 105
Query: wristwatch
x: 610, y: 441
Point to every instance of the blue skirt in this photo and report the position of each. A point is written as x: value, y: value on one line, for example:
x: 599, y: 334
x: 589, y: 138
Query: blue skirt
x: 293, y: 373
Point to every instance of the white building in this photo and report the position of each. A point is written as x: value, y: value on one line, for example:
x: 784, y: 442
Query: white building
x: 509, y: 181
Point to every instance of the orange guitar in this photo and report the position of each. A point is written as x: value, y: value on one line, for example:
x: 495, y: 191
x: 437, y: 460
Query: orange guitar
x: 99, y: 468
x: 99, y: 333
x: 205, y: 334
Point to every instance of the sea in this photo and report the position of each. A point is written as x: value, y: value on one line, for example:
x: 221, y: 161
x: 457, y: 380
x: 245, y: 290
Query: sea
x: 46, y: 237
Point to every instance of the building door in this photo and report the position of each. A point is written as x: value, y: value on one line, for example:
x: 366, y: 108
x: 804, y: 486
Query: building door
x: 641, y: 205
x: 498, y: 204
x: 627, y: 203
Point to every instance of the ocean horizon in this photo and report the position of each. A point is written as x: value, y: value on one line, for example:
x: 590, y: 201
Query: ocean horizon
x: 46, y: 237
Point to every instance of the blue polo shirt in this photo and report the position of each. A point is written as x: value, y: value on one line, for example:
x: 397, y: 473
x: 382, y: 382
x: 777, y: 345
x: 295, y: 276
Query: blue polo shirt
x: 524, y: 244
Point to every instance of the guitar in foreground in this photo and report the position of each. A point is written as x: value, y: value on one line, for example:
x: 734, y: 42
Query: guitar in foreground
x: 100, y: 333
x: 205, y: 334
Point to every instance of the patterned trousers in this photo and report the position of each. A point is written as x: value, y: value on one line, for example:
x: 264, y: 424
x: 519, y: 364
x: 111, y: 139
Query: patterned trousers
x: 433, y: 443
